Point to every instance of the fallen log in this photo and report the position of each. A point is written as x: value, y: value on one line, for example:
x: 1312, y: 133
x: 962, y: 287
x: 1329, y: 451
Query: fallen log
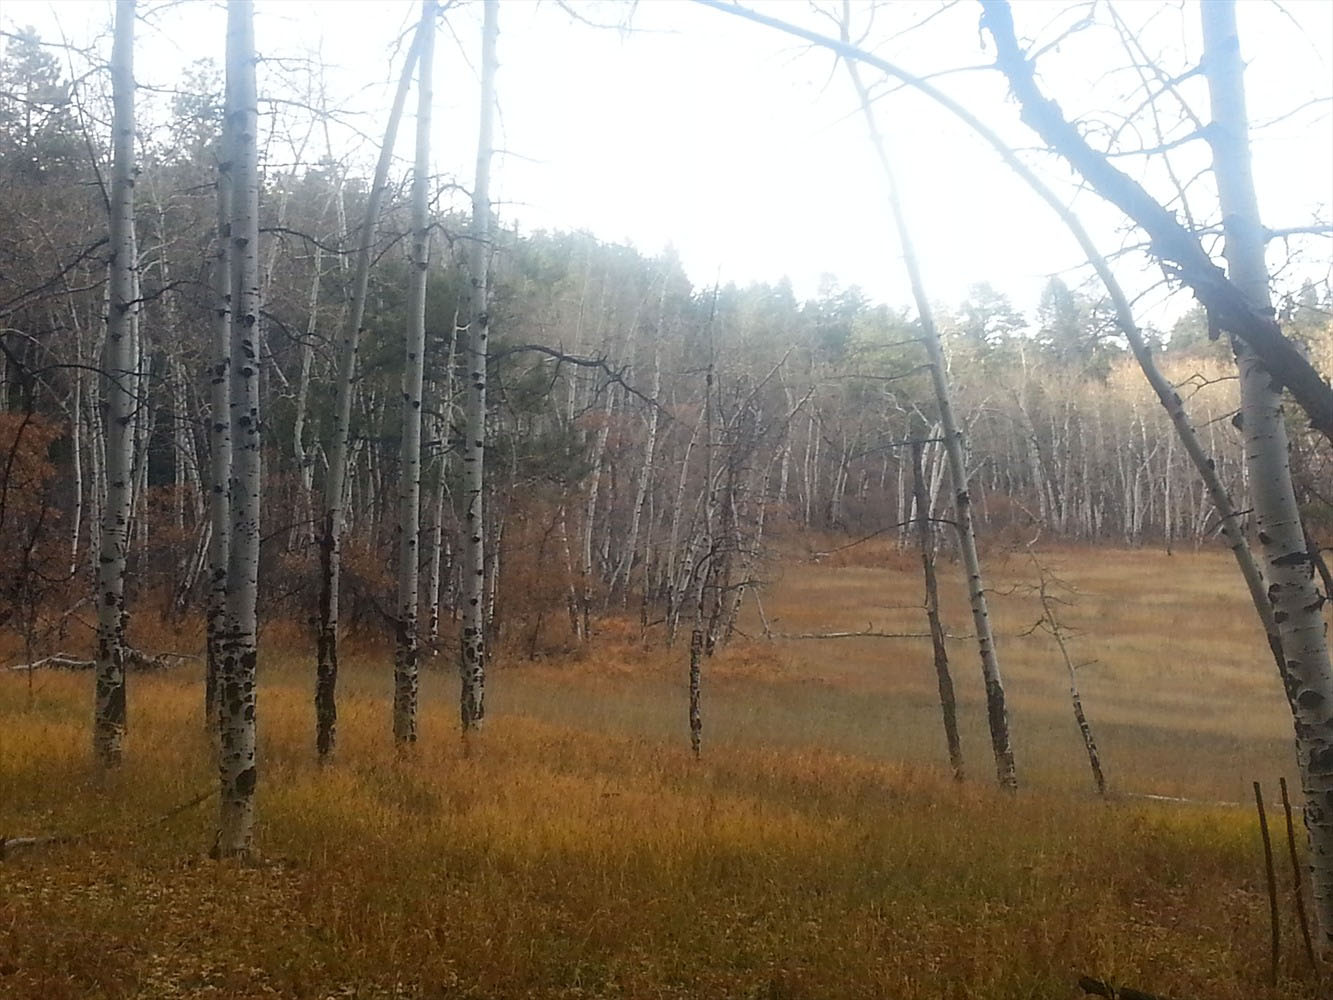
x: 869, y: 632
x: 57, y: 660
x: 134, y: 659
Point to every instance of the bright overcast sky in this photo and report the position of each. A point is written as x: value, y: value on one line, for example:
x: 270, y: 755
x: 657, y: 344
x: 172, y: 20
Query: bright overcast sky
x: 744, y: 149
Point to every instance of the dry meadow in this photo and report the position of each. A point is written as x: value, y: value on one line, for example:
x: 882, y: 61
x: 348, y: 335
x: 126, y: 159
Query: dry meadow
x: 818, y: 850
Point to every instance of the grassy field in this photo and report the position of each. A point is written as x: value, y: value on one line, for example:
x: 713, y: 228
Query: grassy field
x: 818, y: 849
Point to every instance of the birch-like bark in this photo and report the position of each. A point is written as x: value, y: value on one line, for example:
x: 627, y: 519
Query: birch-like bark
x: 335, y: 486
x: 119, y: 367
x: 440, y: 539
x: 219, y: 432
x: 996, y: 712
x: 472, y: 655
x: 944, y: 679
x: 236, y: 760
x: 1297, y: 603
x: 407, y: 651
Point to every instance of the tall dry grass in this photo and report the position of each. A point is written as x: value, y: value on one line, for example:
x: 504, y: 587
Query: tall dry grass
x: 818, y: 849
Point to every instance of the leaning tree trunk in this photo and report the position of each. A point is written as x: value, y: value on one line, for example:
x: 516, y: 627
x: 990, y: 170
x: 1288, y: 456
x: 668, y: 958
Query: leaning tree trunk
x: 1051, y: 620
x: 335, y: 486
x: 1297, y: 603
x: 408, y: 650
x: 118, y: 403
x: 236, y: 760
x: 996, y: 712
x: 944, y: 680
x: 472, y: 655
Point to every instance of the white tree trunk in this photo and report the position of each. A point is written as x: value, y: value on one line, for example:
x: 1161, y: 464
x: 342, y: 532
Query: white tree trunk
x: 143, y: 416
x: 219, y: 434
x: 440, y: 539
x: 1057, y: 631
x: 597, y: 460
x: 303, y: 534
x: 119, y: 366
x: 78, y: 437
x: 236, y: 760
x: 1296, y: 599
x: 673, y: 552
x: 472, y: 655
x: 996, y: 712
x: 407, y: 650
x: 335, y: 486
x: 97, y: 491
x: 625, y: 569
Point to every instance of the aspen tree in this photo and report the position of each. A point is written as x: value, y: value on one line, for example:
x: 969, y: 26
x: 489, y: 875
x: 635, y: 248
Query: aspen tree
x: 702, y: 566
x: 1297, y: 603
x: 303, y: 532
x: 236, y: 679
x: 219, y: 429
x: 472, y: 654
x: 943, y: 679
x: 76, y: 455
x: 625, y: 568
x: 119, y: 378
x: 335, y: 486
x: 407, y: 649
x: 440, y: 539
x: 997, y: 715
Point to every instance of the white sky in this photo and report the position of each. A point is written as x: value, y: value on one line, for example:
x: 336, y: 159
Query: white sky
x: 745, y: 150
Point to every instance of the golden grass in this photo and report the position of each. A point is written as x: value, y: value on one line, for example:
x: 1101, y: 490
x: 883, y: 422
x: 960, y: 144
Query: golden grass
x: 816, y: 851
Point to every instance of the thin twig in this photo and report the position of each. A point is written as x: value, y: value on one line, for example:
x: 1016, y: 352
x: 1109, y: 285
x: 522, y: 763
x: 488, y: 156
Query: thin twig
x: 8, y: 843
x: 1298, y: 894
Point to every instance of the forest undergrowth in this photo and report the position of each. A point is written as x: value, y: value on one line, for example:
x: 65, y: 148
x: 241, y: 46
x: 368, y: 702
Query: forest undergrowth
x: 818, y: 849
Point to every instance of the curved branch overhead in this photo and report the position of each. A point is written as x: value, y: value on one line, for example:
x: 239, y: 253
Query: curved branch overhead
x: 1171, y: 243
x: 1175, y: 246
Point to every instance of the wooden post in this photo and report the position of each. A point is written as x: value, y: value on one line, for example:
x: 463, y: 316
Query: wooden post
x: 1272, y: 883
